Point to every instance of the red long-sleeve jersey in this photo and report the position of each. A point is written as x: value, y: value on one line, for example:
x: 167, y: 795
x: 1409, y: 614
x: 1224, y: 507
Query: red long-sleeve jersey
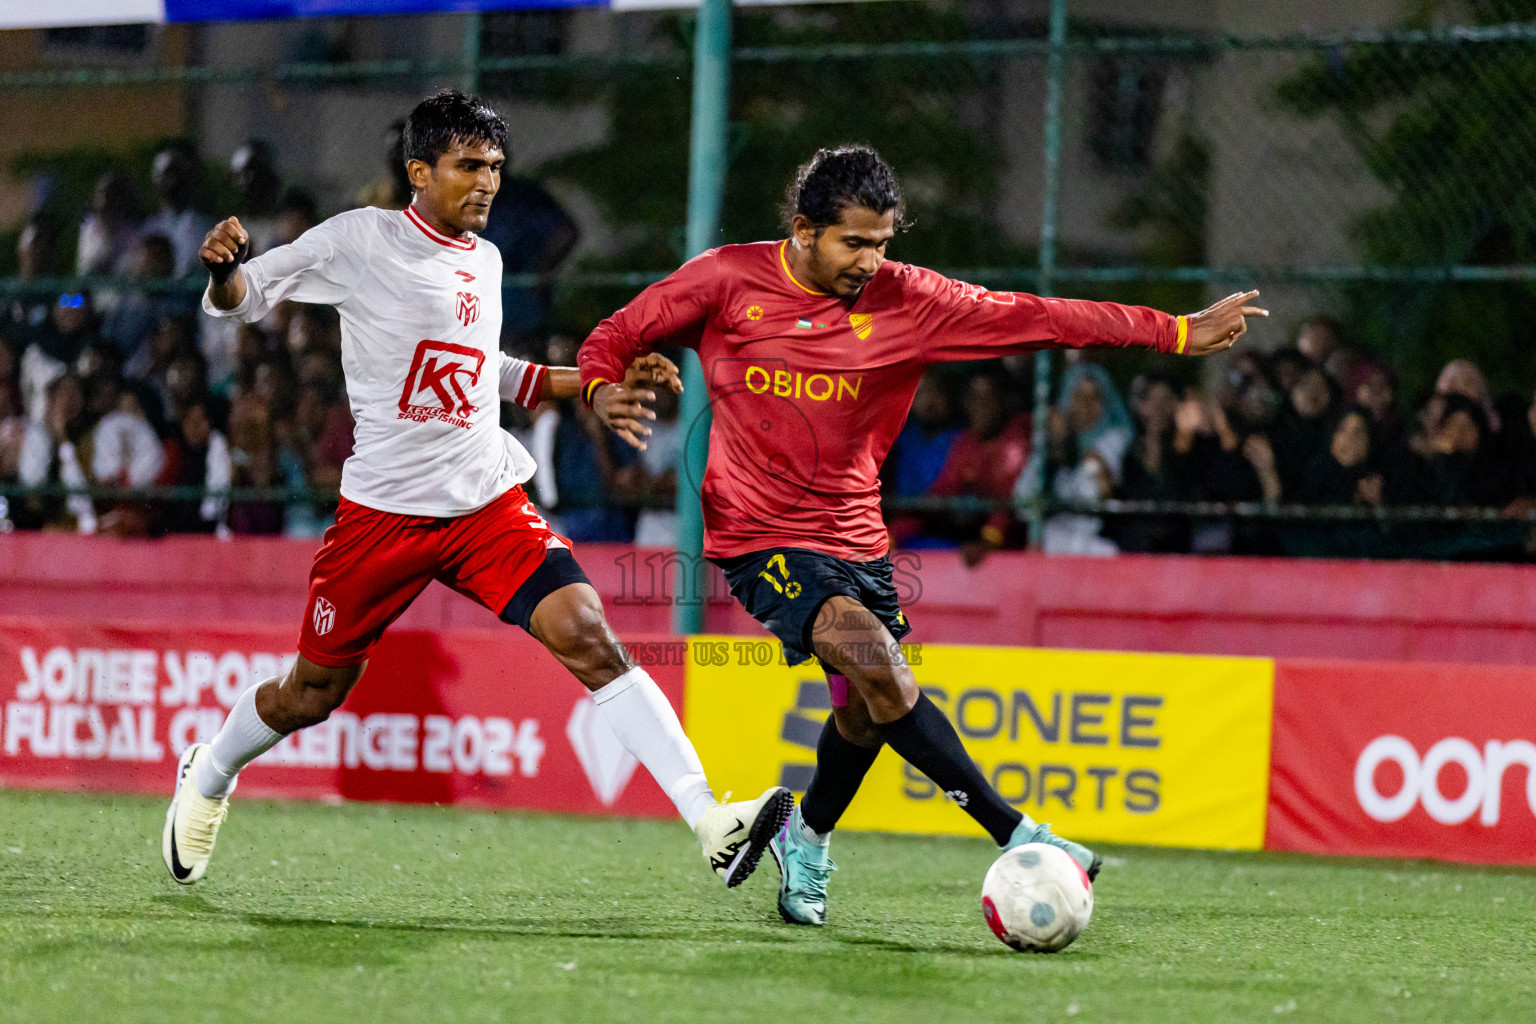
x: 809, y: 391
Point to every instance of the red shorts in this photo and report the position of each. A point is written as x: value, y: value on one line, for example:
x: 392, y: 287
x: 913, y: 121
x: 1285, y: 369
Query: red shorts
x: 373, y: 564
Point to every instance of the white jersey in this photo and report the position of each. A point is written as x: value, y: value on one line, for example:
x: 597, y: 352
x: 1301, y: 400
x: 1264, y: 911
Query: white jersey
x: 420, y: 345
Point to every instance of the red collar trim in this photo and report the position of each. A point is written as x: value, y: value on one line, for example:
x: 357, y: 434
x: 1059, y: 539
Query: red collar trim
x: 463, y: 244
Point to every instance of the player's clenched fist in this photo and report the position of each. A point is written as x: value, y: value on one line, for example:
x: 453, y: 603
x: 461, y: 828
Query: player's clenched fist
x: 223, y: 250
x: 225, y: 247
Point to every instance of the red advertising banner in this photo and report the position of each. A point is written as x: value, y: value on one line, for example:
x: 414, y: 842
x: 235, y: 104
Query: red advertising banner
x: 477, y: 717
x: 1404, y: 760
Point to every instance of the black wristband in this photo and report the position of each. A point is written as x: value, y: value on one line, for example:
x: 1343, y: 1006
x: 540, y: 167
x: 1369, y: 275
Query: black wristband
x: 221, y: 272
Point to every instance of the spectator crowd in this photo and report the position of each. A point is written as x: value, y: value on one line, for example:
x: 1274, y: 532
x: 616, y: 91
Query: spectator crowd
x: 129, y: 386
x: 1317, y: 424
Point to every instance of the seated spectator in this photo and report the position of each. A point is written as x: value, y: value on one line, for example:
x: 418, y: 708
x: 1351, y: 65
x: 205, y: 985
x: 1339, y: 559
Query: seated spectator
x: 1285, y: 367
x: 13, y: 434
x: 534, y: 234
x: 101, y: 376
x: 252, y: 348
x: 328, y: 430
x: 1342, y: 365
x: 296, y: 214
x: 1318, y: 337
x: 109, y: 230
x: 202, y: 460
x: 177, y: 218
x: 1375, y: 391
x: 579, y: 460
x: 1345, y: 473
x: 138, y: 313
x: 1236, y: 465
x: 21, y: 317
x: 260, y: 186
x: 650, y: 481
x: 1464, y: 470
x: 217, y: 338
x: 1089, y: 431
x: 920, y: 450
x: 984, y: 461
x: 313, y: 443
x: 1161, y: 465
x: 253, y: 461
x: 126, y: 452
x: 68, y: 329
x: 1303, y: 425
x: 55, y: 453
x: 171, y: 339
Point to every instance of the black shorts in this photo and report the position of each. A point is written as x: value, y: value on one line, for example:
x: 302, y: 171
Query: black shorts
x: 784, y: 588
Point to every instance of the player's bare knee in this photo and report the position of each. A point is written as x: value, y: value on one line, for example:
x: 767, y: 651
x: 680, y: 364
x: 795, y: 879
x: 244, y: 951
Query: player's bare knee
x: 584, y: 643
x: 855, y: 724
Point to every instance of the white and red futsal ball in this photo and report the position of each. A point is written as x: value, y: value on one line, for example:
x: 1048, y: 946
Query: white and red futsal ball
x: 1036, y: 898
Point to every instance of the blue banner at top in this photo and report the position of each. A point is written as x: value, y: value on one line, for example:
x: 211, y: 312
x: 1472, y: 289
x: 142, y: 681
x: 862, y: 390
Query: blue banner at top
x: 244, y: 10
x: 60, y: 13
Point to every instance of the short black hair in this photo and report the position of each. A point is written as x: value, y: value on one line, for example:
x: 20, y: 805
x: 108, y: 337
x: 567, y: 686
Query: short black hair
x: 836, y: 179
x: 450, y: 116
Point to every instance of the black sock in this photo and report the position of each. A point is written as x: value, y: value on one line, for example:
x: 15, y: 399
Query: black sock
x: 924, y: 737
x: 840, y: 768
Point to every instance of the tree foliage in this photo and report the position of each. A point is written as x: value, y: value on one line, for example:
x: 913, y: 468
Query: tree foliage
x: 934, y: 120
x: 1449, y: 129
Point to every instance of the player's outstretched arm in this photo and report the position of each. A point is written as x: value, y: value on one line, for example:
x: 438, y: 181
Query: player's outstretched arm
x: 1218, y: 327
x: 223, y: 250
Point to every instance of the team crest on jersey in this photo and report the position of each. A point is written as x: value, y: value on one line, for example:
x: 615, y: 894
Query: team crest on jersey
x: 468, y: 308
x: 437, y: 386
x: 325, y: 616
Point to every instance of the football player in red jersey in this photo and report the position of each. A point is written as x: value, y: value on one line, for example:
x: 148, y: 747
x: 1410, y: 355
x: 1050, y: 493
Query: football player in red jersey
x: 812, y: 347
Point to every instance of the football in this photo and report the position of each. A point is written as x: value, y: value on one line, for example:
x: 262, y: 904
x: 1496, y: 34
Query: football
x: 1036, y: 898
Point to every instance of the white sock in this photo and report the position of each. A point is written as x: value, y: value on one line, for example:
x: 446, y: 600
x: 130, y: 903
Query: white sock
x: 634, y: 707
x: 810, y: 834
x: 244, y: 738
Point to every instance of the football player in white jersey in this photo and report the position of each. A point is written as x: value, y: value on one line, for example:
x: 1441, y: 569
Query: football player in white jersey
x: 433, y: 487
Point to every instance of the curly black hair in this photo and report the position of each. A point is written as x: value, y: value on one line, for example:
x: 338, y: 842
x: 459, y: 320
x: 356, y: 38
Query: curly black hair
x: 450, y: 116
x: 836, y: 179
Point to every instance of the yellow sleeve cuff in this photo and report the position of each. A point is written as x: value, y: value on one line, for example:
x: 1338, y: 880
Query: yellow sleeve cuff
x: 1178, y: 349
x: 591, y: 388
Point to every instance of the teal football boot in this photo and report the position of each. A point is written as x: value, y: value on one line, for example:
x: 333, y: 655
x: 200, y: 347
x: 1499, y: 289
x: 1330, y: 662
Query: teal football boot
x: 1030, y: 832
x: 803, y: 871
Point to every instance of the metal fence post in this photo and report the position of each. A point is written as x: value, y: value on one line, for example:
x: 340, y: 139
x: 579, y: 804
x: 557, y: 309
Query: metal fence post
x: 706, y: 193
x: 1055, y: 74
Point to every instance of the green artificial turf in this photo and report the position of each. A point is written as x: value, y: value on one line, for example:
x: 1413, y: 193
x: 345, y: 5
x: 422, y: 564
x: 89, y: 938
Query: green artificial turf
x: 390, y: 913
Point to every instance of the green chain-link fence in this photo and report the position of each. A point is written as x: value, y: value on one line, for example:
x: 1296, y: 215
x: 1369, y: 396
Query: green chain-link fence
x: 1382, y: 178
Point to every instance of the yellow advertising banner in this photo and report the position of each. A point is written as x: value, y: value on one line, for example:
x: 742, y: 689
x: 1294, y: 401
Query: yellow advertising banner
x: 1167, y: 750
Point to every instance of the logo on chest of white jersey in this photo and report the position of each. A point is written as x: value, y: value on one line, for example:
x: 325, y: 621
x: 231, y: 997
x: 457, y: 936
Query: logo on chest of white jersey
x: 437, y: 385
x: 467, y: 308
